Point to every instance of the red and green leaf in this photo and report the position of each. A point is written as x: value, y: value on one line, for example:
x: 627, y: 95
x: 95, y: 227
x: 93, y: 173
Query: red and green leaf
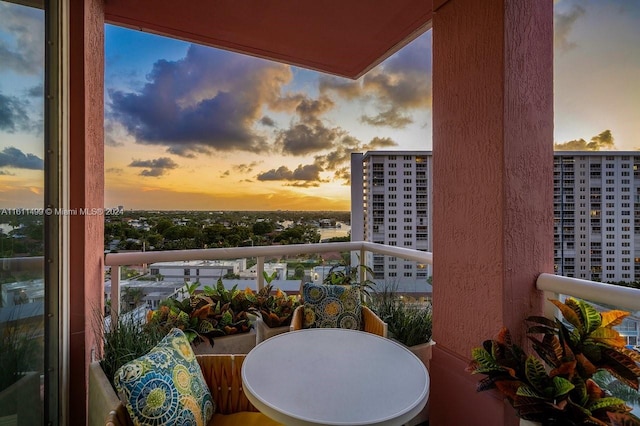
x: 609, y: 337
x: 590, y: 316
x: 569, y: 311
x: 613, y: 318
x: 536, y: 373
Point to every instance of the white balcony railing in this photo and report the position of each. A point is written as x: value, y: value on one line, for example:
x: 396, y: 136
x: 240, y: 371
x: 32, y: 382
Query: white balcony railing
x: 622, y: 297
x: 116, y: 260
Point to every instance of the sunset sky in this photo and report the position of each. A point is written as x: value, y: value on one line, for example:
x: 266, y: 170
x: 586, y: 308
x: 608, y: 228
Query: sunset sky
x: 191, y: 127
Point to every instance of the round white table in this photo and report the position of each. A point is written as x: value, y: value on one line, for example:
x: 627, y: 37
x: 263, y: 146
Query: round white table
x: 328, y: 376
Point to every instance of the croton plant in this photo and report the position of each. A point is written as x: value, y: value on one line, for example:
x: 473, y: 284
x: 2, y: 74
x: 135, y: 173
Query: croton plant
x: 275, y: 309
x: 203, y: 316
x: 555, y: 386
x: 220, y: 312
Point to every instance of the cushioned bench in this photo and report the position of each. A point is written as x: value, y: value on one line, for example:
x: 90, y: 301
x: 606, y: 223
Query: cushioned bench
x: 222, y: 374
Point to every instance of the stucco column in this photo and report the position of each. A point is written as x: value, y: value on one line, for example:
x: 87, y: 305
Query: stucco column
x: 86, y: 177
x: 492, y: 185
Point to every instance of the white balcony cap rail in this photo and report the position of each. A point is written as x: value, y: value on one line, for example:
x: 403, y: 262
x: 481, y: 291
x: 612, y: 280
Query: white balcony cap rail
x: 614, y: 295
x: 119, y: 259
x: 260, y: 252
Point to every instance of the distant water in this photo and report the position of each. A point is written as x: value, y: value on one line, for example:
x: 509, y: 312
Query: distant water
x: 325, y: 233
x: 342, y: 231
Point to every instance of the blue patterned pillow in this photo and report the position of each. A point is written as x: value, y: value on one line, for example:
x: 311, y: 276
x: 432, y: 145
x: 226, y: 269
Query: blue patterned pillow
x: 332, y: 306
x: 166, y: 386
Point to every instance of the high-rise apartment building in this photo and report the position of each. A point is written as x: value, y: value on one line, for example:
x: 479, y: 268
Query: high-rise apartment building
x: 597, y: 215
x: 596, y: 212
x: 391, y: 204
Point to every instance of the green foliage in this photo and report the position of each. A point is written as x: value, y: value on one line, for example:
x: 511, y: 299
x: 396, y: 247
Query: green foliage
x: 268, y: 278
x: 275, y: 309
x: 214, y: 313
x: 191, y: 288
x: 350, y: 275
x: 299, y: 271
x: 589, y: 339
x: 203, y: 229
x: 298, y: 234
x: 563, y: 392
x: 130, y: 298
x: 616, y: 388
x: 263, y: 227
x: 344, y: 239
x: 409, y: 324
x: 125, y: 340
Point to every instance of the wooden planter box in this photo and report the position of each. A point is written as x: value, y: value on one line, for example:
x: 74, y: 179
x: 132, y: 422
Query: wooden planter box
x: 102, y: 396
x: 263, y: 331
x: 423, y: 351
x: 240, y: 343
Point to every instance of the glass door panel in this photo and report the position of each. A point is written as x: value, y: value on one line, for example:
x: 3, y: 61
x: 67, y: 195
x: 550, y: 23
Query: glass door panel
x: 22, y: 286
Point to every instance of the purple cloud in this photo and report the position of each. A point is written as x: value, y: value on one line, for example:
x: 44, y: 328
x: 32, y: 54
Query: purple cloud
x: 208, y: 101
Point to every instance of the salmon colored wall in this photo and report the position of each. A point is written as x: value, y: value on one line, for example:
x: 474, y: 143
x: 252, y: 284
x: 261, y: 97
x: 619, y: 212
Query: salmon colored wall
x: 335, y: 36
x: 86, y: 161
x: 493, y: 168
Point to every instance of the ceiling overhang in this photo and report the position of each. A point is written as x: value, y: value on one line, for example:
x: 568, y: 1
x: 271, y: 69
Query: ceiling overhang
x: 341, y: 37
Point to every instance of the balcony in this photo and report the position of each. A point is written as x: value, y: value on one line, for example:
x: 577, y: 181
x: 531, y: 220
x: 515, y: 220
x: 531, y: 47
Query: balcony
x: 361, y: 249
x: 553, y: 286
x: 484, y: 261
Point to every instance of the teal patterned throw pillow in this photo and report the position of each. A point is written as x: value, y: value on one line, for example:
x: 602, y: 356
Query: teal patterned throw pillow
x: 332, y: 306
x: 166, y: 386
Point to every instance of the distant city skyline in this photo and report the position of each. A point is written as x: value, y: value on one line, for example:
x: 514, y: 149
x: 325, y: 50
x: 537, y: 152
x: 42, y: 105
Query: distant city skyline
x: 189, y: 127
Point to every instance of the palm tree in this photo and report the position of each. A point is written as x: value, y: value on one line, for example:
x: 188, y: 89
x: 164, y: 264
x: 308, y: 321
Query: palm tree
x: 616, y: 388
x: 131, y: 297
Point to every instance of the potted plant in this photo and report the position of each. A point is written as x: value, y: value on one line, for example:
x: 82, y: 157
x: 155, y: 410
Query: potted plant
x: 208, y: 316
x: 410, y: 325
x: 350, y: 275
x: 555, y: 386
x: 123, y: 340
x: 274, y: 310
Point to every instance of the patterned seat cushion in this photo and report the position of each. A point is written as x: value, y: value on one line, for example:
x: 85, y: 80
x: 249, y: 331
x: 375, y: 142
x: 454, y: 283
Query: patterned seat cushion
x: 165, y: 386
x: 332, y: 306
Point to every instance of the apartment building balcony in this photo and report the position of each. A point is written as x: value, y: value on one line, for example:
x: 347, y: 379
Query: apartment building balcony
x: 492, y: 211
x: 552, y: 285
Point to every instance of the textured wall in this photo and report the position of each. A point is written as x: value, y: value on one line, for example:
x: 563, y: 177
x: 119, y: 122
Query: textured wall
x: 493, y: 166
x: 86, y: 157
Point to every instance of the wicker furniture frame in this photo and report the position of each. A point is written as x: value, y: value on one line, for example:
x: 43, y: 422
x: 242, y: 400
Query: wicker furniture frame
x: 222, y: 374
x: 371, y: 322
